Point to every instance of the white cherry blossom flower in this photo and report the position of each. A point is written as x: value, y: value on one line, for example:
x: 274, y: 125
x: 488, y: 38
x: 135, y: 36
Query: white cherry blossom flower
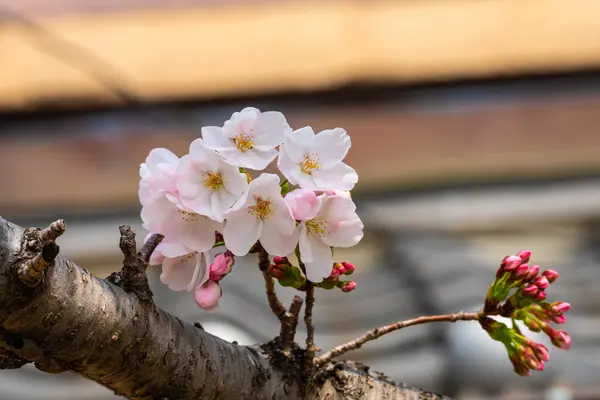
x: 177, y: 224
x: 314, y: 162
x: 249, y: 138
x: 207, y: 184
x: 158, y: 175
x: 263, y: 216
x: 182, y: 268
x: 335, y: 224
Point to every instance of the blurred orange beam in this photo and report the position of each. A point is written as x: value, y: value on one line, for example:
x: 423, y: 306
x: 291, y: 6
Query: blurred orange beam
x: 242, y: 50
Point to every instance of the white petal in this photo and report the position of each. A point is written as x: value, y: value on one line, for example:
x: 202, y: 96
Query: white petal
x: 275, y: 242
x: 161, y: 155
x: 331, y: 145
x: 304, y: 244
x: 286, y: 166
x: 346, y: 233
x: 255, y: 159
x: 242, y: 230
x: 340, y: 177
x: 264, y: 185
x: 204, y: 157
x: 298, y: 144
x: 196, y: 232
x: 158, y: 215
x: 282, y: 216
x: 322, y: 265
x: 171, y: 249
x: 215, y: 139
x: 270, y: 130
x: 181, y: 273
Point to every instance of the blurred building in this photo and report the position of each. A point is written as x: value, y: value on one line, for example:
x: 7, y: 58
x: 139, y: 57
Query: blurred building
x: 475, y: 134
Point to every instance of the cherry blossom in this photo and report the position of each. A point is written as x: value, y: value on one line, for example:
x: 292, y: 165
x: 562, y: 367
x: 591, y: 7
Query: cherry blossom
x: 249, y: 138
x: 158, y: 175
x: 314, y: 162
x: 182, y: 268
x: 263, y: 216
x: 177, y: 224
x: 335, y: 224
x: 207, y: 295
x: 303, y: 203
x: 207, y: 184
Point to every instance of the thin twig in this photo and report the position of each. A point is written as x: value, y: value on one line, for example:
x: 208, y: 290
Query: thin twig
x: 378, y: 332
x: 276, y: 306
x: 310, y: 328
x: 52, y: 232
x: 150, y: 246
x: 31, y: 272
x: 288, y: 327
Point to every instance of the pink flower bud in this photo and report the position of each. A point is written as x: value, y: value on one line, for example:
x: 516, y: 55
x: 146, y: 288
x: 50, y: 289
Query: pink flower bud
x: 221, y: 266
x: 277, y: 272
x: 208, y: 295
x: 281, y: 260
x: 530, y: 291
x: 560, y: 307
x: 541, y: 352
x: 551, y: 275
x: 520, y: 368
x: 510, y: 262
x: 533, y: 271
x: 349, y: 286
x: 335, y: 274
x: 524, y: 255
x: 303, y: 203
x: 541, y: 282
x: 559, y: 319
x: 520, y: 272
x: 531, y: 360
x: 341, y: 269
x: 561, y: 340
x: 541, y: 296
x: 350, y: 268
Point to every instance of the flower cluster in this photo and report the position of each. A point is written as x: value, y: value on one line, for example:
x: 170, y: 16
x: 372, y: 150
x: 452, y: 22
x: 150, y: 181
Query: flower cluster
x: 209, y: 191
x: 519, y: 293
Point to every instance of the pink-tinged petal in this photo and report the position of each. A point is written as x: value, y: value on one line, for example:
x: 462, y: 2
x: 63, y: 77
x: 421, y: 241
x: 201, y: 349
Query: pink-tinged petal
x: 282, y: 216
x: 183, y: 273
x: 340, y: 177
x: 241, y: 231
x: 269, y: 130
x: 207, y: 296
x: 303, y: 204
x: 158, y: 214
x: 338, y: 208
x: 275, y: 242
x: 196, y: 231
x: 345, y: 234
x: 265, y: 185
x: 172, y: 249
x: 332, y: 146
x: 288, y: 168
x: 255, y: 159
x: 321, y: 267
x: 203, y: 157
x: 161, y: 156
x: 214, y: 138
x: 298, y: 144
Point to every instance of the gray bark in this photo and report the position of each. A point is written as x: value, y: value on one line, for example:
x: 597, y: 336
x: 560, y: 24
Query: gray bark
x: 73, y: 321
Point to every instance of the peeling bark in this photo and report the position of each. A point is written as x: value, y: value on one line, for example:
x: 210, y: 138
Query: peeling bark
x: 74, y: 321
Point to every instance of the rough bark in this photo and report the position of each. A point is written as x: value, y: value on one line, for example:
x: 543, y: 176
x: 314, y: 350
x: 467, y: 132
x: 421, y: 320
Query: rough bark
x: 74, y: 321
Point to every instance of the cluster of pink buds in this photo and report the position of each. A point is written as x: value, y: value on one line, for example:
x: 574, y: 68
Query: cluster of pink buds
x: 519, y: 293
x: 208, y: 294
x: 287, y: 274
x: 334, y: 281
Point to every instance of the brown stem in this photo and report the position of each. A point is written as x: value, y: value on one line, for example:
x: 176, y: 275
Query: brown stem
x: 53, y: 231
x: 378, y: 332
x: 149, y: 247
x: 310, y: 328
x: 276, y: 306
x: 290, y: 323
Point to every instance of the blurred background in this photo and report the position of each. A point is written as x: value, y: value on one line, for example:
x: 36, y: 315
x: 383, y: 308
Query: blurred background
x: 475, y: 130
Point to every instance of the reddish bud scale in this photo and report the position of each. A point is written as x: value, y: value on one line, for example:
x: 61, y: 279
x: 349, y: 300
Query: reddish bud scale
x: 281, y: 260
x: 560, y: 307
x: 510, y: 262
x: 349, y: 286
x: 519, y: 273
x: 559, y: 319
x: 541, y: 282
x: 541, y: 296
x: 334, y: 276
x: 530, y: 291
x: 350, y: 268
x: 533, y: 271
x: 339, y: 267
x: 541, y: 352
x: 276, y: 272
x: 524, y: 255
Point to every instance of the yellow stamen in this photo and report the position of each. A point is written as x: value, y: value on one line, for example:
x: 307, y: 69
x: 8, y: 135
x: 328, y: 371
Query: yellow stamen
x: 309, y: 164
x: 213, y: 181
x: 188, y: 216
x: 262, y: 209
x: 317, y: 228
x: 244, y: 142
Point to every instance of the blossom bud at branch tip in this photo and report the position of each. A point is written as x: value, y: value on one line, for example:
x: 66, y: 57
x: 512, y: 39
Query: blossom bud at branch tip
x: 511, y: 262
x: 561, y: 339
x: 524, y: 255
x: 551, y: 275
x: 280, y: 260
x: 277, y: 272
x: 349, y: 286
x: 520, y: 272
x: 350, y: 268
x: 221, y: 266
x: 541, y: 296
x: 541, y: 282
x: 340, y: 268
x: 530, y: 291
x: 560, y: 307
x: 533, y: 271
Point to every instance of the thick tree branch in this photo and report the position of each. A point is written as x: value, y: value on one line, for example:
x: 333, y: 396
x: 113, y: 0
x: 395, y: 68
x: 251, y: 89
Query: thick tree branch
x: 289, y: 324
x: 310, y: 328
x: 378, y: 332
x: 74, y: 321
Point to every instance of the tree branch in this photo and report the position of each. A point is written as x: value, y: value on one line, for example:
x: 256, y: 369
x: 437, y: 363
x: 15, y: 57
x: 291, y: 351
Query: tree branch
x: 74, y: 321
x: 290, y: 323
x: 310, y: 328
x: 378, y: 332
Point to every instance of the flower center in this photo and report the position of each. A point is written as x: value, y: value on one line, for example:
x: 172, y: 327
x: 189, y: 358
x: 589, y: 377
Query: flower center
x: 310, y: 162
x: 188, y: 257
x: 261, y: 209
x: 244, y: 142
x: 212, y: 180
x: 188, y: 216
x: 317, y: 228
